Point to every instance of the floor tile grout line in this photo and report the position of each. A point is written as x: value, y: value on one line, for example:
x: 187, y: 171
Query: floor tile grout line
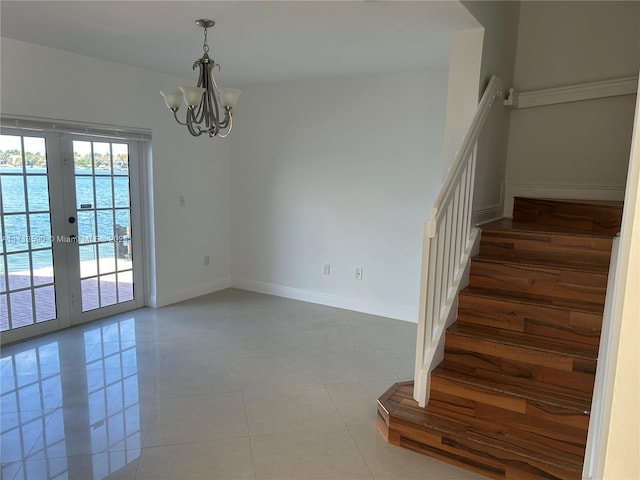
x: 246, y: 420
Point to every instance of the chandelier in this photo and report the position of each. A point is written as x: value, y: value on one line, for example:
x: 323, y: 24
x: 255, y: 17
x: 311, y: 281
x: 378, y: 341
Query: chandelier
x: 209, y: 109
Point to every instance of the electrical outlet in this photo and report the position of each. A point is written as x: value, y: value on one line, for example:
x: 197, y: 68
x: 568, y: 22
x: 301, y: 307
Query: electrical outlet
x: 327, y: 269
x: 358, y: 274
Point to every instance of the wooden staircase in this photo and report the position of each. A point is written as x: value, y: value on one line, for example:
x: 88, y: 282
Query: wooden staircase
x: 512, y: 397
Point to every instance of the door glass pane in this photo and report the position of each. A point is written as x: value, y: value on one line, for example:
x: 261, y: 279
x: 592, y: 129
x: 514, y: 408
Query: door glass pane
x: 42, y: 267
x: 102, y: 158
x: 13, y: 198
x: 104, y: 226
x: 86, y: 226
x: 107, y: 259
x: 40, y: 231
x: 26, y: 228
x: 45, y: 302
x: 84, y: 189
x: 90, y: 300
x: 88, y: 260
x: 21, y: 311
x: 104, y: 195
x: 3, y: 270
x: 108, y: 290
x: 38, y: 192
x: 120, y: 152
x: 121, y: 189
x: 16, y: 232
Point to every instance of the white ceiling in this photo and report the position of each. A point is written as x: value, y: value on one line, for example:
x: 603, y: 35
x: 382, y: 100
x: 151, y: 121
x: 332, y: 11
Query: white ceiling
x: 254, y: 41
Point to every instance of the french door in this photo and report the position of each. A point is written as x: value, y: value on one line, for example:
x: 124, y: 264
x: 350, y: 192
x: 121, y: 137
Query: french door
x: 70, y: 224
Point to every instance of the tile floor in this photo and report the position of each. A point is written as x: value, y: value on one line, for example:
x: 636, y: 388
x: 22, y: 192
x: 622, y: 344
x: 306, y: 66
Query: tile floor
x: 232, y: 385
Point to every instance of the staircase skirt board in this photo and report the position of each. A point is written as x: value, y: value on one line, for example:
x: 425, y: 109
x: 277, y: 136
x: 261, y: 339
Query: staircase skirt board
x: 512, y: 397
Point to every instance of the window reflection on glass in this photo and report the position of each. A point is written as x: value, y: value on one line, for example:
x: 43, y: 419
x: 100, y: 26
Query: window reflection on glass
x: 31, y: 414
x: 112, y: 380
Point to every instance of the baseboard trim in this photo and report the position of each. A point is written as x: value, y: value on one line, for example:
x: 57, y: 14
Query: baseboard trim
x: 326, y: 299
x: 484, y: 215
x: 582, y: 192
x: 190, y: 292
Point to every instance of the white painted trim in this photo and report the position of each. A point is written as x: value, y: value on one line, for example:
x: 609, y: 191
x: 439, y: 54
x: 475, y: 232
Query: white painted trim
x: 581, y: 192
x: 486, y: 214
x: 75, y: 128
x: 573, y: 93
x: 330, y: 300
x: 162, y: 300
x: 605, y: 376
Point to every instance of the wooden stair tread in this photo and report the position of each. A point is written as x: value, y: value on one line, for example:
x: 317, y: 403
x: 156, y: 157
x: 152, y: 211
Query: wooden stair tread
x: 533, y: 299
x: 509, y: 224
x: 398, y: 403
x: 524, y: 340
x: 486, y: 380
x: 546, y: 260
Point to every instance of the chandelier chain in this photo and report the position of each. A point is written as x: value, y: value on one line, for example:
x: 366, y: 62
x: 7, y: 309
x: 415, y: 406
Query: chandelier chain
x: 205, y: 46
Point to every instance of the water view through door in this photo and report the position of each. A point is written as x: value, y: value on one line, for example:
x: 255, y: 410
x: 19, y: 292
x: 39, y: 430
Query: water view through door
x: 27, y: 294
x: 104, y: 226
x: 68, y: 238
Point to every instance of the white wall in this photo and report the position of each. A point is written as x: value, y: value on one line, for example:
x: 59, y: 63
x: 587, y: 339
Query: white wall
x: 500, y: 21
x: 43, y: 82
x: 340, y: 171
x: 462, y: 91
x: 582, y: 147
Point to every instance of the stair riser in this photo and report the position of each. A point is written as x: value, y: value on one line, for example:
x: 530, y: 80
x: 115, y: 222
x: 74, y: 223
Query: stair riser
x: 553, y: 282
x: 585, y: 217
x: 565, y: 363
x: 580, y: 327
x: 471, y: 360
x: 581, y: 250
x: 487, y: 403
